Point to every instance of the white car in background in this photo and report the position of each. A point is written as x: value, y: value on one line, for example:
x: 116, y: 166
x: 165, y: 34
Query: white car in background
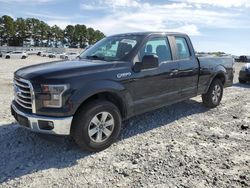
x: 32, y: 51
x: 3, y: 52
x: 43, y: 54
x: 56, y: 55
x: 70, y: 55
x: 46, y: 54
x: 59, y: 54
x: 15, y: 55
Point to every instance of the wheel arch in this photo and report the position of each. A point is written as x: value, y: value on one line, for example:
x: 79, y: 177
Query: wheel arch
x: 109, y: 96
x: 219, y: 73
x: 103, y: 90
x: 221, y: 76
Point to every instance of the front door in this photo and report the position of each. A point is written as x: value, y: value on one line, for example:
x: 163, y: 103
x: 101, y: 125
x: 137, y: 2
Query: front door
x: 156, y: 87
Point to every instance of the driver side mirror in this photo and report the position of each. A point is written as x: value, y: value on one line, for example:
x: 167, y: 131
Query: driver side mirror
x: 148, y: 62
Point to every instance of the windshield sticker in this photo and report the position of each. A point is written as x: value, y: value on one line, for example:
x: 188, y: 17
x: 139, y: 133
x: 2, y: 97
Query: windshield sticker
x: 129, y: 41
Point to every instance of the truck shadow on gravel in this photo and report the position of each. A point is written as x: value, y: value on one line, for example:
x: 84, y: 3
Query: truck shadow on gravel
x: 246, y: 85
x: 24, y: 152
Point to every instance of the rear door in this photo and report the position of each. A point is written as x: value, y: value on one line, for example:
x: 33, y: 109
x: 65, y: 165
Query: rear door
x: 188, y: 66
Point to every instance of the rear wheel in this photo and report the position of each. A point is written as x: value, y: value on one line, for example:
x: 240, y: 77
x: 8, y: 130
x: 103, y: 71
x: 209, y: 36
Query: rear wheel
x: 214, y: 94
x: 23, y: 57
x: 7, y: 57
x: 242, y: 81
x: 96, y: 126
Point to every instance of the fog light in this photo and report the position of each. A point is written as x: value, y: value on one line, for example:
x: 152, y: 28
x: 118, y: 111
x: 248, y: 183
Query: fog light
x: 45, y: 125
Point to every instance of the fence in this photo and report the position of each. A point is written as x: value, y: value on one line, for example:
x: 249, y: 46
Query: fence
x: 41, y: 49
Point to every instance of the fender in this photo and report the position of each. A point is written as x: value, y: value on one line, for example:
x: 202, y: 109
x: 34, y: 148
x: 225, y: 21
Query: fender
x: 217, y: 71
x: 101, y: 86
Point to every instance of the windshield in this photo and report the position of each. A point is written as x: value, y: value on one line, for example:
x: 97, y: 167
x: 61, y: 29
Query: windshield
x: 111, y: 48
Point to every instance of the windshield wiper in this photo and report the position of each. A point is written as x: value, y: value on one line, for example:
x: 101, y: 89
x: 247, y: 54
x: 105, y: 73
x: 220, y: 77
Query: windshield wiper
x: 95, y: 57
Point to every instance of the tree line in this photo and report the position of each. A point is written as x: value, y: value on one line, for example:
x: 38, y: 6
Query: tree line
x: 21, y: 31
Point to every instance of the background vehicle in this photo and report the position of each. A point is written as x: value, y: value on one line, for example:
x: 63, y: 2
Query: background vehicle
x: 117, y: 78
x: 59, y: 54
x: 244, y: 75
x: 69, y: 55
x: 244, y: 59
x: 51, y: 55
x: 47, y: 54
x: 2, y: 53
x: 32, y: 51
x: 16, y: 55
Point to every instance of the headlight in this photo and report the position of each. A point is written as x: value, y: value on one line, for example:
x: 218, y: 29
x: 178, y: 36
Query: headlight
x: 54, y: 92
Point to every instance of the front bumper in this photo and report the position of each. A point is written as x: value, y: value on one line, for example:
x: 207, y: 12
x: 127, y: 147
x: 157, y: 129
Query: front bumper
x: 61, y: 125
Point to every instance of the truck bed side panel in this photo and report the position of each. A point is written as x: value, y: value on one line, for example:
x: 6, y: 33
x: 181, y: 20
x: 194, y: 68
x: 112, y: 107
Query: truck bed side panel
x: 210, y: 67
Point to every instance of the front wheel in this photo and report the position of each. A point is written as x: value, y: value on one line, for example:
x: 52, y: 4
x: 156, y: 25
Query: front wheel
x: 214, y: 94
x: 96, y: 126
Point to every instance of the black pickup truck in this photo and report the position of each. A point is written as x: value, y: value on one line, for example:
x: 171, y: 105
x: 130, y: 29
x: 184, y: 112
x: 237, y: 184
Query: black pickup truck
x: 117, y: 78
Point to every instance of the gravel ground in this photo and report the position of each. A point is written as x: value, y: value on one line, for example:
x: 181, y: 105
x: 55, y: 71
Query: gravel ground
x: 182, y: 145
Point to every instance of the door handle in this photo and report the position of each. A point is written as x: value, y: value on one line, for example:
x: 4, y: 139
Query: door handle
x: 173, y: 72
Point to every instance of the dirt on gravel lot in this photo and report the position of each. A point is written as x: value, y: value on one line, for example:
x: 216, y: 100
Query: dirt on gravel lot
x: 182, y: 145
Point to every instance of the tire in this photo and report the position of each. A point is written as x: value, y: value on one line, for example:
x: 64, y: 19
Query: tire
x: 214, y: 94
x: 91, y: 136
x: 242, y: 81
x: 7, y: 57
x: 23, y: 57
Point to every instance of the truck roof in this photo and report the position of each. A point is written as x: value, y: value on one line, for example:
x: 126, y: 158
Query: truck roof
x: 149, y: 33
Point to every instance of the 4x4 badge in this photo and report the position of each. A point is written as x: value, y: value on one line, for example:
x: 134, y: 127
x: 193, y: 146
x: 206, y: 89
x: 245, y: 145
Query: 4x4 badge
x: 122, y: 75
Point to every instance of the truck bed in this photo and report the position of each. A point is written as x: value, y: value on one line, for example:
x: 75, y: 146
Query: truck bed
x: 210, y: 64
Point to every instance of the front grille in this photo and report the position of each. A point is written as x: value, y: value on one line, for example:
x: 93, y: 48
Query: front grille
x: 23, y: 93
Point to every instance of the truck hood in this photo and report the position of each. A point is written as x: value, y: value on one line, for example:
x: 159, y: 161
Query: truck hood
x: 63, y: 69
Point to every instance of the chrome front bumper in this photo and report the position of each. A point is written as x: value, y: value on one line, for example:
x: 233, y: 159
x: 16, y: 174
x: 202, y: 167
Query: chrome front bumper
x: 61, y: 125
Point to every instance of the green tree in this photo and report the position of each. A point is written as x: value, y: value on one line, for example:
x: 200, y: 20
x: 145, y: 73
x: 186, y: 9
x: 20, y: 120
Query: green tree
x: 69, y: 34
x: 2, y: 30
x: 16, y: 32
x: 80, y: 35
x: 34, y: 29
x: 8, y: 31
x: 56, y: 34
x: 91, y: 35
x: 44, y: 32
x: 98, y: 35
x: 21, y: 30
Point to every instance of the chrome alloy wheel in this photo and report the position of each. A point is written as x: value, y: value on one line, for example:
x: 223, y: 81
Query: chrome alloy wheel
x: 216, y: 94
x: 101, y: 127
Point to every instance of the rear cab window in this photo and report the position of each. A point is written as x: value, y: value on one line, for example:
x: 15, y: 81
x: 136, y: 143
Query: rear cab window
x: 182, y: 48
